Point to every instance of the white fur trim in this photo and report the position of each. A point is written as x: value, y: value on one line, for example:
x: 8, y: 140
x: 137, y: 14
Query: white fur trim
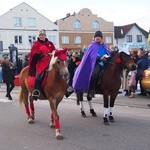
x: 90, y: 104
x: 110, y: 111
x: 105, y: 112
x: 81, y: 105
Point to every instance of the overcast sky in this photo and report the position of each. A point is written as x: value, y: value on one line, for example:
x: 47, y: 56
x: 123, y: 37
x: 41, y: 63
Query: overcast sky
x: 117, y: 11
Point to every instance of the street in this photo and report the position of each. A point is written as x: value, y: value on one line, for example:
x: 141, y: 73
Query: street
x: 130, y: 131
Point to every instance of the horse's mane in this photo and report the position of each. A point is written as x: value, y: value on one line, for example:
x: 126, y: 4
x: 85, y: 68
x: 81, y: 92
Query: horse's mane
x: 113, y: 54
x: 109, y: 60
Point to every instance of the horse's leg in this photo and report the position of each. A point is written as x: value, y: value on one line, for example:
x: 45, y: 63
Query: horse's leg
x: 80, y: 99
x: 53, y: 106
x: 32, y: 108
x: 111, y: 106
x: 28, y: 112
x: 105, y: 116
x: 30, y: 120
x: 52, y: 125
x: 91, y: 106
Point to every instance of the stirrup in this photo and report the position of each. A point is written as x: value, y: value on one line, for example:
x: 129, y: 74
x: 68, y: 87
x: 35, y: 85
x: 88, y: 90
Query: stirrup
x: 36, y: 93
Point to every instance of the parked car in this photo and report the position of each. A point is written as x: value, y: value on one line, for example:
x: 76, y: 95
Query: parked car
x: 146, y: 80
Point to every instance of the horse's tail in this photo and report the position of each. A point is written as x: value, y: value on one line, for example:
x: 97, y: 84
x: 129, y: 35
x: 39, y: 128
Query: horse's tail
x: 20, y: 96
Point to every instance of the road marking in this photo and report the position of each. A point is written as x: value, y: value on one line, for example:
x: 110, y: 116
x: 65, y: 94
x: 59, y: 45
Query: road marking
x: 4, y: 100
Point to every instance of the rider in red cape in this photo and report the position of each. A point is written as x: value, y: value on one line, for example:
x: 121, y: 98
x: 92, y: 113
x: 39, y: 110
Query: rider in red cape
x: 82, y: 77
x: 39, y: 59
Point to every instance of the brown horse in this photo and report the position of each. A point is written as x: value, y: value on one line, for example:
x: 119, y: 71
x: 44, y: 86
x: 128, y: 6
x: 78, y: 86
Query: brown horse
x: 110, y: 84
x: 53, y: 90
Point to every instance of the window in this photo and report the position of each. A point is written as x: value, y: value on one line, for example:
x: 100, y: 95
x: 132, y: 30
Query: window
x: 77, y: 40
x: 17, y: 21
x: 31, y: 39
x: 95, y: 25
x: 76, y: 24
x: 108, y: 39
x: 139, y: 38
x: 65, y: 40
x: 52, y: 38
x: 129, y: 38
x: 31, y: 22
x: 18, y: 39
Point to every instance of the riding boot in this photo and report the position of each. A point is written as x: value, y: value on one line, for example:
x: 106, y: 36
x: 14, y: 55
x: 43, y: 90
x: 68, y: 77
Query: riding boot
x: 36, y: 92
x: 100, y: 75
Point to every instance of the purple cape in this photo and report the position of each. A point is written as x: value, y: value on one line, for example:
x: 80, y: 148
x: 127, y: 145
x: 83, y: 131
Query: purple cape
x: 82, y: 76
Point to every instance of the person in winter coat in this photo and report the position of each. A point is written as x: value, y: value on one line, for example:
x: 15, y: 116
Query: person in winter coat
x: 8, y: 76
x: 132, y: 83
x: 25, y: 61
x: 39, y: 59
x: 72, y: 65
x: 142, y: 64
x: 91, y: 65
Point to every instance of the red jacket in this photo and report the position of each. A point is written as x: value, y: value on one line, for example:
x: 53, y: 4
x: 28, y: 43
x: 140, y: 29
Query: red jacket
x: 40, y: 49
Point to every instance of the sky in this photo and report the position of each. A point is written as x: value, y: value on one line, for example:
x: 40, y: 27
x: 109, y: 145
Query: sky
x: 117, y: 11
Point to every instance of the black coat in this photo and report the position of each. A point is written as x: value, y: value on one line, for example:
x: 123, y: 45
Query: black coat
x: 142, y: 64
x: 7, y: 73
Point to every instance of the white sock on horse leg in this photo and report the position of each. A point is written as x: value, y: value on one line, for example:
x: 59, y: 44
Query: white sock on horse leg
x: 90, y: 104
x: 81, y: 106
x: 110, y: 111
x: 105, y: 112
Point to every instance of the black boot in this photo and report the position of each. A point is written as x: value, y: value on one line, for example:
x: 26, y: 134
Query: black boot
x: 9, y: 97
x: 36, y: 92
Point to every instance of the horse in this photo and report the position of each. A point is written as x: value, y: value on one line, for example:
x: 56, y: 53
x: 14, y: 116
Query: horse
x: 109, y: 85
x: 53, y: 90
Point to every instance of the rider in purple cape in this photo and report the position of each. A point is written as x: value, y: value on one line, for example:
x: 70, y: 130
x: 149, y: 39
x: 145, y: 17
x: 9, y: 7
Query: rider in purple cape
x: 82, y: 76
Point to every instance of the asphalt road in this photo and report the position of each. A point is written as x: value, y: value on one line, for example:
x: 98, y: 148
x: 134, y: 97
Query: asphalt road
x: 131, y: 130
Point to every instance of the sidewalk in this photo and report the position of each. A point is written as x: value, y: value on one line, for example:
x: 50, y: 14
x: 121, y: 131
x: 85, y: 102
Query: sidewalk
x: 138, y: 101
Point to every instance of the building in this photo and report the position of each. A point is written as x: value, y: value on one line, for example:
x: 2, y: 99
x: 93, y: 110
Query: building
x: 20, y: 26
x: 78, y: 29
x: 129, y: 36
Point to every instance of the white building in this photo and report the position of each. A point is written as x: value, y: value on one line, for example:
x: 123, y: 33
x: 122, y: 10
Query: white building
x: 20, y: 27
x: 129, y: 36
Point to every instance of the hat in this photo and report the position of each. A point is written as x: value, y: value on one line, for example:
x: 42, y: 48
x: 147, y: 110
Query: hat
x: 142, y: 50
x: 61, y: 54
x: 42, y: 32
x: 98, y: 34
x: 75, y: 54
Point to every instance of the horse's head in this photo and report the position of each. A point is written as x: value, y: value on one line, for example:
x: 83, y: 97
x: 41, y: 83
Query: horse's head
x: 126, y: 61
x: 58, y: 61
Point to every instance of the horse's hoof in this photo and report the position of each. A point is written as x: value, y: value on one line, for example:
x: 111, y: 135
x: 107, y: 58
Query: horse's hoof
x: 111, y: 119
x: 59, y: 135
x: 30, y: 120
x: 93, y: 113
x: 105, y: 121
x: 32, y: 116
x: 83, y: 114
x: 52, y: 125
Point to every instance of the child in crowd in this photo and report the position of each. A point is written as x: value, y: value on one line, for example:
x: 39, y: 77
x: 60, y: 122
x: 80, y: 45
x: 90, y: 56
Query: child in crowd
x: 132, y: 83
